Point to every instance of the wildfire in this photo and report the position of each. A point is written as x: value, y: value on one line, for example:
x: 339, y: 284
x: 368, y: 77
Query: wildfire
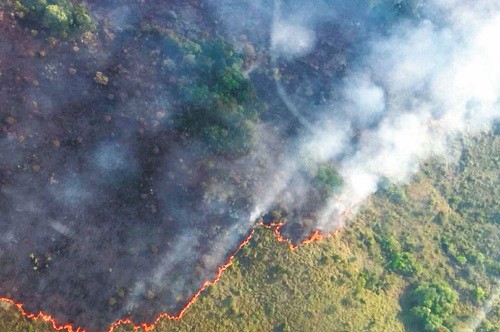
x: 192, y: 300
x: 42, y: 316
x: 315, y: 236
x: 276, y: 226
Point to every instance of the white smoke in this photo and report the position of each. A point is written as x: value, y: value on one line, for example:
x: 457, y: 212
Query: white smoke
x: 291, y: 36
x: 291, y: 39
x: 410, y: 92
x: 430, y: 74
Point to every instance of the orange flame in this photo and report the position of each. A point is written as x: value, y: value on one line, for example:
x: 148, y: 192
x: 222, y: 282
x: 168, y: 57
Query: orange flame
x: 192, y: 300
x: 41, y: 316
x: 315, y: 236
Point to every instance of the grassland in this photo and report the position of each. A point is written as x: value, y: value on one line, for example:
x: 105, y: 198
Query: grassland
x: 444, y: 227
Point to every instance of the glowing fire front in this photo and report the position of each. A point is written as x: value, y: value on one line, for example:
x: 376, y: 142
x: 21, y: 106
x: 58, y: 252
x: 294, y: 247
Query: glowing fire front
x: 275, y: 226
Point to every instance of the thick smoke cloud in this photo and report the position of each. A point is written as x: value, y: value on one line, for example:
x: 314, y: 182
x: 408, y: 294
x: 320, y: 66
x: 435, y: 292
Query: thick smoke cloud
x: 437, y: 81
x: 411, y: 89
x: 108, y: 211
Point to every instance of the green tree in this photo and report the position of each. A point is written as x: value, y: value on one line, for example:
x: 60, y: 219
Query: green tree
x: 398, y: 261
x: 219, y: 108
x: 433, y: 304
x: 57, y: 16
x: 327, y: 179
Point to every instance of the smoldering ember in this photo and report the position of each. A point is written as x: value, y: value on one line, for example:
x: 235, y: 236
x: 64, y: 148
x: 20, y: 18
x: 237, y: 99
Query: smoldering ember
x: 141, y: 141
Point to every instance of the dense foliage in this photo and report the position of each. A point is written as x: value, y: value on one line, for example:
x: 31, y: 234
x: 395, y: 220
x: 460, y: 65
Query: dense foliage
x: 327, y: 180
x: 434, y: 303
x: 216, y: 96
x: 397, y: 260
x: 219, y: 108
x: 57, y: 16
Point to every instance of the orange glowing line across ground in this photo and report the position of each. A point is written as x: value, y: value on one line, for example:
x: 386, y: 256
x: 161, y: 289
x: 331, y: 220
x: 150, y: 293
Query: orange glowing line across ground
x: 315, y: 236
x: 41, y: 316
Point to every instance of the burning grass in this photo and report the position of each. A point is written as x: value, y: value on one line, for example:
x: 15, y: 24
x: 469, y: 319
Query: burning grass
x: 342, y: 282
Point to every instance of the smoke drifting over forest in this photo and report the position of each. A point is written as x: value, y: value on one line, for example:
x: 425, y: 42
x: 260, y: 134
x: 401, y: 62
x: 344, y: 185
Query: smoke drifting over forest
x: 135, y: 158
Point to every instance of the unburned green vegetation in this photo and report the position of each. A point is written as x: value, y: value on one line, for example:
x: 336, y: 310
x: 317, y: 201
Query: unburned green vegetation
x: 219, y: 107
x: 327, y: 180
x: 59, y: 17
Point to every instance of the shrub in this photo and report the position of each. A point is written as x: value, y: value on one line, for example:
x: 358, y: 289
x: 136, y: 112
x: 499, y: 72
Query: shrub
x: 57, y: 16
x: 327, y: 180
x: 433, y: 304
x: 462, y: 260
x: 398, y: 261
x: 403, y: 263
x: 218, y: 106
x: 479, y: 294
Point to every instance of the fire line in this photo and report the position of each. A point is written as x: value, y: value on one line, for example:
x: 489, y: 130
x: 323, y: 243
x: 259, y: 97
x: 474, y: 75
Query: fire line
x: 276, y: 226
